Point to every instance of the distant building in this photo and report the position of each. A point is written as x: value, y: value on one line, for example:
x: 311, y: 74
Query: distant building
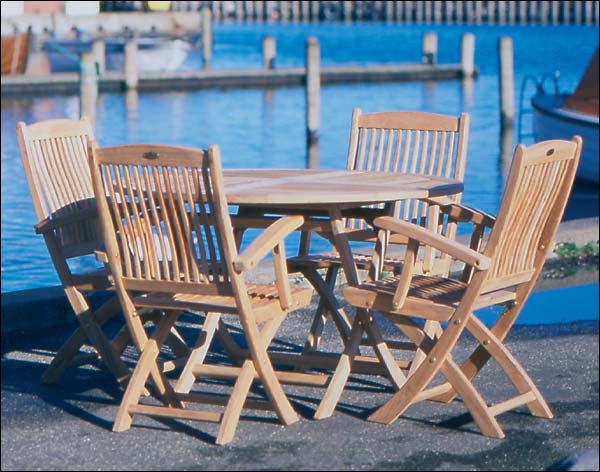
x: 72, y: 8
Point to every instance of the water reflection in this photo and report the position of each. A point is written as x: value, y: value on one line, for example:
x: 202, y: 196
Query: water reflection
x: 507, y: 146
x: 466, y: 93
x: 429, y: 89
x: 131, y: 103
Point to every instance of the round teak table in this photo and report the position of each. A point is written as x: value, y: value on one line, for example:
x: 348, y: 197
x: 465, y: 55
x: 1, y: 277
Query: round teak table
x: 329, y: 191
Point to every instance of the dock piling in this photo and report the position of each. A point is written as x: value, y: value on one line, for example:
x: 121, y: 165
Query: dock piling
x: 99, y: 52
x: 206, y: 37
x: 313, y: 92
x: 506, y: 81
x: 88, y: 86
x: 467, y: 54
x: 131, y: 72
x: 429, y: 47
x: 268, y: 52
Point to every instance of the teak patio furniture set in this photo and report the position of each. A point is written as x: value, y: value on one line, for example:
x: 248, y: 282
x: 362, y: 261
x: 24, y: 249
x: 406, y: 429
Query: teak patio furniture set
x: 168, y: 226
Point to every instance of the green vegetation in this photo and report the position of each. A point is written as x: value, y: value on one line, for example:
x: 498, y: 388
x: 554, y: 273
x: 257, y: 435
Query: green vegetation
x: 572, y: 251
x: 570, y: 258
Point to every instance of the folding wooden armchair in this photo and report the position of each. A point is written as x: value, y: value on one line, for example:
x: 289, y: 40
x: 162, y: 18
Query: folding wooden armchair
x: 170, y: 246
x: 499, y: 271
x: 415, y: 142
x: 54, y: 155
x: 55, y: 161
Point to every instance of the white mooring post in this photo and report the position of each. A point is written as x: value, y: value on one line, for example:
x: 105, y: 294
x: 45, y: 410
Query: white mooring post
x: 206, y: 37
x: 268, y: 52
x: 99, y: 51
x: 506, y: 82
x: 313, y: 91
x: 429, y: 48
x: 131, y: 72
x: 467, y: 54
x: 88, y: 86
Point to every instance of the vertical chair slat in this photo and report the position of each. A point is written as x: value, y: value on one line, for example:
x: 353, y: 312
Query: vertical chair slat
x: 424, y: 156
x: 198, y: 219
x: 138, y: 239
x: 120, y: 212
x: 388, y: 150
x: 380, y: 148
x: 360, y: 161
x: 186, y: 229
x: 219, y: 249
x: 405, y: 155
x: 441, y: 154
x: 45, y: 181
x: 171, y: 227
x: 433, y: 153
x: 450, y: 168
x: 146, y: 228
x: 372, y: 134
x: 153, y: 223
x: 399, y: 138
x: 192, y: 226
x: 414, y: 158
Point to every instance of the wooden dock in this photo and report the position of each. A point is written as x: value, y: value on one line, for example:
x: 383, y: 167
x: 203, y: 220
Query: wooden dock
x: 69, y: 83
x: 493, y: 12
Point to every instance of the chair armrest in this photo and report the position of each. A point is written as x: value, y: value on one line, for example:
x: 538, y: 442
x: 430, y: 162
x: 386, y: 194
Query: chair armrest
x: 101, y: 256
x: 426, y: 237
x: 47, y: 225
x: 462, y: 213
x: 266, y: 241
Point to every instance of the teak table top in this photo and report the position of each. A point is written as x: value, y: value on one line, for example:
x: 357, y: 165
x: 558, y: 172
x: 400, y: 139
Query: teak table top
x: 324, y: 187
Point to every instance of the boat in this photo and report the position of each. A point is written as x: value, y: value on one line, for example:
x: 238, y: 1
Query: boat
x: 561, y: 115
x: 155, y: 54
x: 15, y: 52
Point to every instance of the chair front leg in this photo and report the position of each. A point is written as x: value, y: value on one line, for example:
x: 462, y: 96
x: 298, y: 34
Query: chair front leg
x: 513, y: 369
x: 147, y: 367
x: 480, y: 356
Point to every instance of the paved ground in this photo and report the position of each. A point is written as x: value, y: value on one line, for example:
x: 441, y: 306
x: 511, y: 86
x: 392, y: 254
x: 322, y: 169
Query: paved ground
x: 68, y: 426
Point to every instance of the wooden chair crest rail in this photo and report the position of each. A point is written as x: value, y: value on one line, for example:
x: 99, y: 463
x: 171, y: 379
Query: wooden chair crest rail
x: 502, y: 271
x: 412, y: 142
x: 54, y: 156
x: 171, y: 247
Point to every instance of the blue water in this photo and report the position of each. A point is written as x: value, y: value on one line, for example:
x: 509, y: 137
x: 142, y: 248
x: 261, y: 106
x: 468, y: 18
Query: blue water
x: 558, y: 305
x: 266, y: 128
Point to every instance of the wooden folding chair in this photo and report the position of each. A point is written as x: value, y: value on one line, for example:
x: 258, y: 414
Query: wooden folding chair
x: 416, y: 142
x: 171, y: 247
x: 55, y: 161
x: 501, y: 270
x: 54, y: 155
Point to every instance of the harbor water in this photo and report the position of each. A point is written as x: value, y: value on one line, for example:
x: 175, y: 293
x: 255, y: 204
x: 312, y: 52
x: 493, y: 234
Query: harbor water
x: 261, y: 127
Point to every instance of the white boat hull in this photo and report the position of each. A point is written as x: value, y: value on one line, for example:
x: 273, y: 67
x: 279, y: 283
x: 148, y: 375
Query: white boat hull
x: 550, y: 121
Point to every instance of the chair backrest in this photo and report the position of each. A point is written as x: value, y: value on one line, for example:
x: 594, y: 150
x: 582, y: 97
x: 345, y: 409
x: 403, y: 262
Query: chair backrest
x: 165, y: 218
x: 534, y: 200
x: 54, y: 157
x: 416, y: 142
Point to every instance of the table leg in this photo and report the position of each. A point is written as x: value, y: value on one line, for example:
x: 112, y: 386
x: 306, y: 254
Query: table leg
x: 342, y: 246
